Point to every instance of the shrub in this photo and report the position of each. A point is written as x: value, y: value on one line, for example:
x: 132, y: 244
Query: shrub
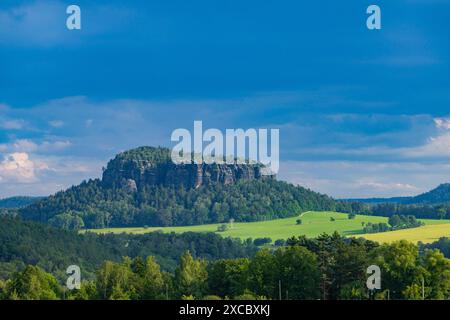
x: 261, y: 241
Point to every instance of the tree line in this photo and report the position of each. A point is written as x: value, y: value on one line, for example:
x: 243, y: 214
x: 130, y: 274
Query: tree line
x: 420, y: 211
x: 395, y: 222
x: 29, y: 243
x: 328, y: 267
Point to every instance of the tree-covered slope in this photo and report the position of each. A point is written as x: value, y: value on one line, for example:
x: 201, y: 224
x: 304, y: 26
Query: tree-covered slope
x: 17, y: 202
x: 434, y: 204
x: 143, y: 187
x: 441, y: 194
x: 91, y: 205
x: 438, y: 195
x: 53, y: 249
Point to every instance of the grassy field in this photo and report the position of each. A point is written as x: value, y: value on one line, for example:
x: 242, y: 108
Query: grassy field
x: 426, y: 234
x: 313, y: 224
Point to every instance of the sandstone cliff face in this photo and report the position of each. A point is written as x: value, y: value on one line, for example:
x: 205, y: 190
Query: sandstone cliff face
x: 133, y: 174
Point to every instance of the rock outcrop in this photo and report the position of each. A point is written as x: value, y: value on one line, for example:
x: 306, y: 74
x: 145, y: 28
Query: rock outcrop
x: 139, y: 167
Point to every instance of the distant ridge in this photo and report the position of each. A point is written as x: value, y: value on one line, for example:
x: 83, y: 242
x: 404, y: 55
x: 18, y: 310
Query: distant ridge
x: 18, y: 202
x: 379, y: 200
x: 438, y: 195
x: 441, y: 194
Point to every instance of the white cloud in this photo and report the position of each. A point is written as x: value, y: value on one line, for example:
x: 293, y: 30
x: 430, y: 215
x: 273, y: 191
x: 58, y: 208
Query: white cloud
x: 330, y: 148
x: 442, y: 123
x: 438, y: 146
x: 25, y: 145
x: 13, y: 124
x: 26, y: 174
x: 365, y: 179
x: 73, y: 166
x: 18, y: 167
x: 392, y: 187
x: 54, y: 145
x: 411, y: 138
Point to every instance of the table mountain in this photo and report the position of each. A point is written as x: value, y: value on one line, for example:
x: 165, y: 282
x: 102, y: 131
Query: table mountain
x: 145, y: 166
x: 142, y: 187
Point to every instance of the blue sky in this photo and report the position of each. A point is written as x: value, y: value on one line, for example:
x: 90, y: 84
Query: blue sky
x: 361, y: 113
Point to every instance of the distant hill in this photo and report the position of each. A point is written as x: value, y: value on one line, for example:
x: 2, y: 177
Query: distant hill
x: 439, y: 195
x: 143, y: 187
x: 18, y: 202
x: 379, y: 200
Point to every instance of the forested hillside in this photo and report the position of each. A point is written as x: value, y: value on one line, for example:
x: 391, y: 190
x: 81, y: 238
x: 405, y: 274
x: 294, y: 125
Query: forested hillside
x: 18, y: 202
x: 328, y: 267
x: 439, y: 195
x: 26, y: 242
x: 141, y: 188
x: 434, y: 204
x: 420, y: 211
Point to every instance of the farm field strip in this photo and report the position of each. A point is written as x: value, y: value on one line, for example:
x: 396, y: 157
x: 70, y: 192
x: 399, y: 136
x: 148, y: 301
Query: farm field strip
x: 313, y: 224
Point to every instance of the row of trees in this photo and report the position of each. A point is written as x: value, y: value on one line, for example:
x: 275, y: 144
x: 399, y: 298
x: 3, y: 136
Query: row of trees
x: 404, y: 222
x: 395, y: 222
x: 420, y: 211
x: 27, y: 242
x: 371, y: 227
x: 329, y: 267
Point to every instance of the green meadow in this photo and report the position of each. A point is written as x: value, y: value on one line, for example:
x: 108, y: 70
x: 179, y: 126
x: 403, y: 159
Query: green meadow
x: 313, y: 224
x: 426, y: 234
